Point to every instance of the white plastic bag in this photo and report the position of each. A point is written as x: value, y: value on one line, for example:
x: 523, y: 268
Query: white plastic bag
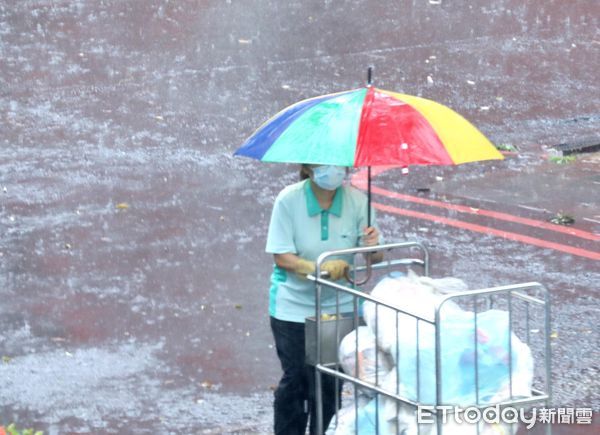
x: 360, y: 357
x: 365, y: 420
x: 417, y: 296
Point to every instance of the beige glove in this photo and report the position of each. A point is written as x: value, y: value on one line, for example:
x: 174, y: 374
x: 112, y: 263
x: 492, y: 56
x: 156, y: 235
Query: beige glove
x: 305, y: 267
x: 336, y: 269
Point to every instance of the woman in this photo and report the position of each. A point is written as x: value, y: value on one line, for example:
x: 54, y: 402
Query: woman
x: 317, y: 214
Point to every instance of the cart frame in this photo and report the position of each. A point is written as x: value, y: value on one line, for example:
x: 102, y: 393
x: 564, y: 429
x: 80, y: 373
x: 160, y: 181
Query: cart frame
x: 517, y: 291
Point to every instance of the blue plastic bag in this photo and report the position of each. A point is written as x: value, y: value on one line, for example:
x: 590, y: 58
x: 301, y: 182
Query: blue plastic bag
x: 461, y: 346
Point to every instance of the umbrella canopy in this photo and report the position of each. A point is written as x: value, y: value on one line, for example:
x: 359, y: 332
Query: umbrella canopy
x: 368, y: 127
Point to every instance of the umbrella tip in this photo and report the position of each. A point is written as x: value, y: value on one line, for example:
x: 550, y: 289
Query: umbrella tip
x: 370, y: 75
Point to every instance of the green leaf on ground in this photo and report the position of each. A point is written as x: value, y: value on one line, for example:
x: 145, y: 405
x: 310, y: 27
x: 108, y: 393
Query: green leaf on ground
x: 11, y: 429
x: 562, y: 219
x: 565, y: 160
x: 506, y: 147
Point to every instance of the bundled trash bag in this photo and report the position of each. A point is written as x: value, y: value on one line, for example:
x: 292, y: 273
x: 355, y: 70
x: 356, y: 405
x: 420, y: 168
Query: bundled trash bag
x: 414, y: 295
x: 360, y: 357
x: 464, y: 348
x: 384, y: 416
x: 474, y: 356
x: 468, y: 357
x: 521, y: 383
x: 368, y: 419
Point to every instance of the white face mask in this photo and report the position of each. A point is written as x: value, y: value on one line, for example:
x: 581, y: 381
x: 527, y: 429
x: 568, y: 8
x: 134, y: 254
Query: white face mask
x: 329, y: 177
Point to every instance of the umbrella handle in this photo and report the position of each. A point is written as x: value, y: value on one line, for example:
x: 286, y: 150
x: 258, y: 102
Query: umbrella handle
x: 369, y: 261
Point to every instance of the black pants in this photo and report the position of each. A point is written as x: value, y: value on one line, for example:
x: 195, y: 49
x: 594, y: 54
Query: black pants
x: 295, y: 394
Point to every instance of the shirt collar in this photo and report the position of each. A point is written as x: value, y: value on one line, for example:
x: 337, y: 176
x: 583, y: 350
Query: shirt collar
x: 312, y: 204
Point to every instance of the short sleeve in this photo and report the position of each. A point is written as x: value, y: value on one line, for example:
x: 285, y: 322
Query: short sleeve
x: 280, y: 238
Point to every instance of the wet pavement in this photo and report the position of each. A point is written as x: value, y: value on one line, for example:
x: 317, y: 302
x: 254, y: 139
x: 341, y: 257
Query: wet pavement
x: 133, y: 283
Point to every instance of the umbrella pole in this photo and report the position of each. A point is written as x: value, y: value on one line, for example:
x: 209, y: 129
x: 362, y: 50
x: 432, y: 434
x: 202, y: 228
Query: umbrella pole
x: 368, y: 255
x: 369, y: 83
x: 369, y: 196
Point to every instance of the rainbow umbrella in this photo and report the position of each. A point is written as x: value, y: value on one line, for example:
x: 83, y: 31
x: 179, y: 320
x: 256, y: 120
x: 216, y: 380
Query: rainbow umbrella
x: 368, y: 127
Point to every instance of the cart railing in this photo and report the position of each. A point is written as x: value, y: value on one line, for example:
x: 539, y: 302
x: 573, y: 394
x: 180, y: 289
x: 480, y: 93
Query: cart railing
x: 522, y: 302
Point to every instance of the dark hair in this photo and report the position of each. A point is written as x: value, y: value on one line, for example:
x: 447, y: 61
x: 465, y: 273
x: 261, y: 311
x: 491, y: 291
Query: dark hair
x: 304, y: 172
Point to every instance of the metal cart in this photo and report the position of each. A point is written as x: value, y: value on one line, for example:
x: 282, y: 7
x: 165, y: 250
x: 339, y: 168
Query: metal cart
x: 527, y: 305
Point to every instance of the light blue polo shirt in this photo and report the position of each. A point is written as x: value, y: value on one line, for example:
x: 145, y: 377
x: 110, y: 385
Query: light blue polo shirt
x: 300, y: 226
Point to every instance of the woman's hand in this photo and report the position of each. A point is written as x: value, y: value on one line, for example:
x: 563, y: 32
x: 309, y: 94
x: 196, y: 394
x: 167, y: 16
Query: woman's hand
x: 336, y: 268
x: 370, y: 236
x: 303, y: 267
